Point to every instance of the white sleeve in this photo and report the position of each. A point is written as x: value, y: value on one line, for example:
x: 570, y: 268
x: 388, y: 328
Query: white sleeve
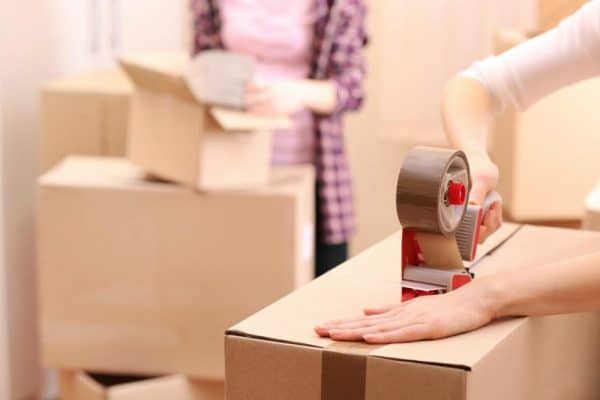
x: 526, y: 73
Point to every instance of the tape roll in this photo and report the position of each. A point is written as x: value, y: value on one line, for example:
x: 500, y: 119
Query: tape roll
x: 422, y: 189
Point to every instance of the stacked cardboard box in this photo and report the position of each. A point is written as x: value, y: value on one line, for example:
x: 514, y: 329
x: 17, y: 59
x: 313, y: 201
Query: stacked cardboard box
x: 85, y: 114
x: 139, y: 272
x: 547, y: 154
x: 275, y: 354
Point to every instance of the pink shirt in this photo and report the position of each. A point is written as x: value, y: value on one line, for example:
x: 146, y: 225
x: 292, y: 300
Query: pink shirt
x: 279, y: 34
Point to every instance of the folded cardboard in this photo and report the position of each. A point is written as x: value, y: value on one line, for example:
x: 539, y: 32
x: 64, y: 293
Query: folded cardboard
x: 548, y: 154
x: 551, y: 12
x: 591, y: 219
x: 144, y: 277
x: 275, y: 353
x: 85, y: 114
x: 81, y: 385
x: 174, y: 136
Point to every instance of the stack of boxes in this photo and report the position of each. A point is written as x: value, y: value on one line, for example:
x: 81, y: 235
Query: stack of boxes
x: 144, y: 262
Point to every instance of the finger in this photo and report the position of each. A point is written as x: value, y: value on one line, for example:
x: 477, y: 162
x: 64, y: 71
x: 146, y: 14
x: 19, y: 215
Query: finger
x: 258, y: 97
x: 338, y: 322
x: 322, y: 332
x: 492, y: 221
x: 358, y: 333
x: 483, y: 234
x: 255, y: 86
x: 409, y: 333
x: 381, y: 310
x: 478, y: 193
x: 357, y: 323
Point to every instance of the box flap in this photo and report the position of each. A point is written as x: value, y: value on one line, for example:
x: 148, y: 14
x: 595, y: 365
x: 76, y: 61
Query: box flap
x: 108, y: 81
x: 159, y: 72
x: 234, y: 120
x: 175, y: 387
x: 373, y: 278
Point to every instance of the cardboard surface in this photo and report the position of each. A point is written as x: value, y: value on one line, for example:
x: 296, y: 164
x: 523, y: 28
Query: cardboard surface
x: 80, y: 385
x: 176, y: 137
x: 551, y: 145
x: 85, y: 114
x: 139, y: 276
x: 519, y: 358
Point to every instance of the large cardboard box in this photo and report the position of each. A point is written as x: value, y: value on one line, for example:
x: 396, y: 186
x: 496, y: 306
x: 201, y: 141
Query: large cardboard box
x: 174, y: 136
x: 85, y: 114
x: 275, y: 353
x: 80, y: 385
x: 144, y: 277
x: 548, y: 155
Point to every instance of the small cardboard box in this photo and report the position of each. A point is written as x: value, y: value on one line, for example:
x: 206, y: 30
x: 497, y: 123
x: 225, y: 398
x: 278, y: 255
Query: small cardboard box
x: 85, y: 114
x: 548, y: 154
x: 275, y: 353
x: 143, y: 277
x: 175, y: 137
x: 81, y: 385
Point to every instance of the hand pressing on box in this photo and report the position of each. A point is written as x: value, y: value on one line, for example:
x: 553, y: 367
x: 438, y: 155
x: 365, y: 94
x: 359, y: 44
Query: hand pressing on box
x: 284, y: 97
x: 426, y: 317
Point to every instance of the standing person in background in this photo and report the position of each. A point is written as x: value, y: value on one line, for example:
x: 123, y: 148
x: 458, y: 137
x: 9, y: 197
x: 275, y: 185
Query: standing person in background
x: 517, y: 78
x: 310, y: 66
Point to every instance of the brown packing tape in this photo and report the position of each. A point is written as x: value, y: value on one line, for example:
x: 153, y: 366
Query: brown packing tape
x: 420, y: 189
x: 440, y: 251
x: 344, y: 370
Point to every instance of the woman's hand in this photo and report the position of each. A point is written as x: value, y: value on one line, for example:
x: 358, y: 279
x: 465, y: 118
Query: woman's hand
x: 484, y: 174
x: 277, y: 98
x: 426, y: 317
x: 285, y: 97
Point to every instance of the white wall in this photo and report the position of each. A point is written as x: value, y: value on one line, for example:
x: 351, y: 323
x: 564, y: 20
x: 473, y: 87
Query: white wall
x: 42, y: 39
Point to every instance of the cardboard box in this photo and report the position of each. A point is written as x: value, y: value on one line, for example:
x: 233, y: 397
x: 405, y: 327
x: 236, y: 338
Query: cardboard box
x: 548, y: 155
x: 275, y: 353
x: 85, y: 114
x: 175, y: 137
x: 80, y: 385
x: 552, y: 12
x: 144, y: 277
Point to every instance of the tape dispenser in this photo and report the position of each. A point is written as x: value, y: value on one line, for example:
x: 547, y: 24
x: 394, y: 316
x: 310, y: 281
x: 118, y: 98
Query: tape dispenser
x: 440, y: 229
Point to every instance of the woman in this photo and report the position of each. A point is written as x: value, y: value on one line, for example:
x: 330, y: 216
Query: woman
x: 310, y: 66
x: 518, y: 78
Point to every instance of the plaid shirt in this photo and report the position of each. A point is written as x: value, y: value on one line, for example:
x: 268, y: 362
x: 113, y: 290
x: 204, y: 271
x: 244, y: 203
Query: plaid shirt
x: 339, y: 37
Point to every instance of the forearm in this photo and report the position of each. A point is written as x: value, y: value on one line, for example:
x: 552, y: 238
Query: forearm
x: 466, y: 114
x: 319, y: 96
x: 568, y: 286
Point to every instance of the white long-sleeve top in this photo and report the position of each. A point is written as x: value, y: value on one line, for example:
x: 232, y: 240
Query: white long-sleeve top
x: 524, y: 74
